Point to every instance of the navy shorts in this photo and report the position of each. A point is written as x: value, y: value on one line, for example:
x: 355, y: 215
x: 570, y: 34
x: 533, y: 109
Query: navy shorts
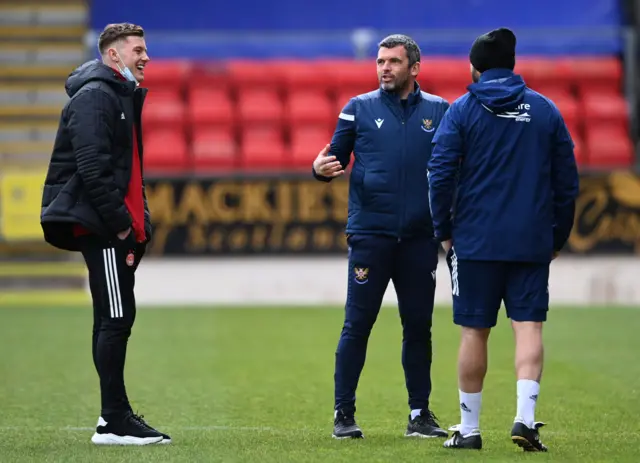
x: 480, y: 287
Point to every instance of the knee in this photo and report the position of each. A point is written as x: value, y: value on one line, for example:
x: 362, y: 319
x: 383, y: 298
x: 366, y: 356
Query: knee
x: 357, y: 328
x: 117, y: 327
x: 416, y: 327
x: 475, y: 334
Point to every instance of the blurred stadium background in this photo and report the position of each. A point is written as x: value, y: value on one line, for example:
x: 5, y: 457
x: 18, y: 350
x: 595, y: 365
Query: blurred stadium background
x: 241, y: 103
x: 242, y: 97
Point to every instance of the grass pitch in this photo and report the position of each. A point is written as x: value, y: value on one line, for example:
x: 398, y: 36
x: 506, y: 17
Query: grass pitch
x: 257, y: 385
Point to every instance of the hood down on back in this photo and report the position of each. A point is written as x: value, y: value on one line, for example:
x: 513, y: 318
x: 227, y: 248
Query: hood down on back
x: 95, y: 70
x: 499, y: 90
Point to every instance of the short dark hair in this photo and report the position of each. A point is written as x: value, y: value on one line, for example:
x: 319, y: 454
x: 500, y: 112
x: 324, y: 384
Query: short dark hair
x: 114, y: 32
x: 410, y: 45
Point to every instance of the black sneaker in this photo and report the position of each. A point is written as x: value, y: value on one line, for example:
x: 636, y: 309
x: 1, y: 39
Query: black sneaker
x: 127, y: 429
x: 471, y: 441
x: 165, y: 438
x: 345, y: 427
x: 425, y: 425
x: 527, y: 438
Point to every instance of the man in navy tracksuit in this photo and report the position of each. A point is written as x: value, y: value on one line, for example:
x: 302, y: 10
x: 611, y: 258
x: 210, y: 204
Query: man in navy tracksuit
x: 389, y: 230
x: 503, y: 182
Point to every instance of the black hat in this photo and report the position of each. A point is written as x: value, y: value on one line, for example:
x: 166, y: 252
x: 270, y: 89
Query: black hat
x: 495, y: 49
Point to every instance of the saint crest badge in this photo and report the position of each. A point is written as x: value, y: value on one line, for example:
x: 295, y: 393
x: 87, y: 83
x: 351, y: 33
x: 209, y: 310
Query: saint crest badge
x: 427, y: 125
x: 361, y: 275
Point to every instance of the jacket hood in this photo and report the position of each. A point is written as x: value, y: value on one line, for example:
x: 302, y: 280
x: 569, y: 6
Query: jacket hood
x: 499, y: 90
x: 96, y: 70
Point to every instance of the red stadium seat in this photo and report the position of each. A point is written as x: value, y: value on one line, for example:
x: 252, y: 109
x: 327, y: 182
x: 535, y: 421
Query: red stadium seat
x: 541, y: 74
x: 309, y: 108
x: 575, y: 130
x: 263, y: 149
x: 571, y: 112
x: 605, y: 109
x: 163, y: 95
x: 262, y: 107
x: 609, y: 148
x: 445, y: 73
x: 163, y: 109
x: 214, y: 149
x: 165, y: 150
x: 555, y: 92
x: 579, y: 151
x: 209, y: 75
x: 341, y: 101
x: 355, y: 77
x: 210, y: 108
x: 450, y: 95
x: 306, y: 143
x: 166, y: 74
x: 598, y: 75
x: 255, y: 74
x: 266, y: 134
x: 307, y: 76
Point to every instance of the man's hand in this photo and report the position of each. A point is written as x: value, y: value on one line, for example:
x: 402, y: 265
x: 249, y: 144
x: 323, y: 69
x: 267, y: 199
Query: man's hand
x: 327, y: 166
x: 447, y: 245
x: 123, y: 234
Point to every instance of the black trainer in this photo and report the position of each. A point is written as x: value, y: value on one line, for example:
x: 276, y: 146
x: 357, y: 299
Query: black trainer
x: 127, y: 429
x: 345, y: 427
x: 165, y: 438
x: 527, y: 438
x: 425, y: 425
x: 471, y: 441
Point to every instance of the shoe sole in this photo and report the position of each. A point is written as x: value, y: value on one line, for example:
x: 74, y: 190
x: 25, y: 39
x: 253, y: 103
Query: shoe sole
x: 525, y: 445
x: 464, y: 448
x: 360, y: 436
x: 164, y: 442
x: 425, y: 436
x: 112, y: 439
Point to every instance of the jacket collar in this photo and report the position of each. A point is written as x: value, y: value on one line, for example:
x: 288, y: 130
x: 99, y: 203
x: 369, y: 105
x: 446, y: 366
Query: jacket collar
x: 494, y: 74
x: 413, y: 98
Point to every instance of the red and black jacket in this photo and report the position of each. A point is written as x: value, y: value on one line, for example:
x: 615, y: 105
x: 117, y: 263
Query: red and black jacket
x: 93, y: 184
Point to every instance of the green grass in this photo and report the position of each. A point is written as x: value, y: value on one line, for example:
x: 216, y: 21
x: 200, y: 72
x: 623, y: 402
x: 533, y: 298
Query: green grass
x: 257, y: 385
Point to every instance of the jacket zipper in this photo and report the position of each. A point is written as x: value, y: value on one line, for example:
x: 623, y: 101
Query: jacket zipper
x: 402, y: 176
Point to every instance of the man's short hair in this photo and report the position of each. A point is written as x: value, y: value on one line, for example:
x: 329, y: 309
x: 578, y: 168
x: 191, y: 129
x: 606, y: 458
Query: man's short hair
x: 410, y: 45
x: 114, y: 32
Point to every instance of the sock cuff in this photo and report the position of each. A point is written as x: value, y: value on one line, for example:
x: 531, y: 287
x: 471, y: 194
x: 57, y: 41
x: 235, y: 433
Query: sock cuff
x: 470, y: 394
x: 530, y: 382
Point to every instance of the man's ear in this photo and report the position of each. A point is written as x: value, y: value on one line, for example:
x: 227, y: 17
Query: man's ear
x: 415, y: 69
x: 113, y: 55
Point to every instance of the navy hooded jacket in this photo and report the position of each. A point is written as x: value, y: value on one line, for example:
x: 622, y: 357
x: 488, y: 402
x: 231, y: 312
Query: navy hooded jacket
x: 391, y: 142
x: 503, y: 177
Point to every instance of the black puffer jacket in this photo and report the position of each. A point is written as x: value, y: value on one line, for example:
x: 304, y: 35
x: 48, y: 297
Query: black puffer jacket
x: 90, y: 166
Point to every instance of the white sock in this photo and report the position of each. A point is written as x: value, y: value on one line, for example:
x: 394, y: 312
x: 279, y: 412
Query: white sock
x: 470, y: 411
x: 528, y: 391
x: 415, y: 413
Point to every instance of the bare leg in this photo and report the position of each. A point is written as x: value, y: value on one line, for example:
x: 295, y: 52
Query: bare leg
x: 529, y: 363
x: 472, y: 368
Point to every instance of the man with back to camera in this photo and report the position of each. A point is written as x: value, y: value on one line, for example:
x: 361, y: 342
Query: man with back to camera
x: 506, y: 153
x: 94, y: 202
x: 389, y: 229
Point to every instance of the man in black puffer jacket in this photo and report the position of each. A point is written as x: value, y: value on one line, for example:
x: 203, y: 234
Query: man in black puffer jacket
x: 94, y: 202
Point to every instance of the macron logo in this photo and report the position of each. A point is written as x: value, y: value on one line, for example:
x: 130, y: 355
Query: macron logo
x: 122, y: 116
x: 379, y: 122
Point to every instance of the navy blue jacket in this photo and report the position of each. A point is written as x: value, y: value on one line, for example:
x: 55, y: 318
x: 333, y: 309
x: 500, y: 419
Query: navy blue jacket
x: 391, y: 142
x: 503, y: 177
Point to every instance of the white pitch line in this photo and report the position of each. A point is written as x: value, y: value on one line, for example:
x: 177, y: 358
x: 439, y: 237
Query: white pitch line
x: 175, y: 428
